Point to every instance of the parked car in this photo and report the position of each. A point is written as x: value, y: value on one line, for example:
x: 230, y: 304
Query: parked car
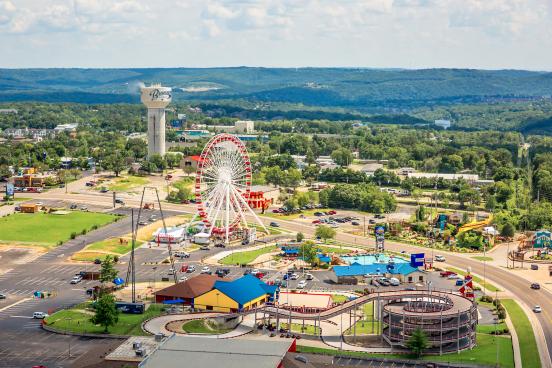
x: 2, y: 296
x: 535, y: 286
x: 294, y: 276
x: 182, y: 278
x: 439, y: 258
x: 537, y: 309
x: 301, y: 284
x: 355, y: 223
x: 332, y: 212
x: 84, y: 208
x: 190, y: 269
x: 384, y: 281
x: 220, y: 245
x: 119, y: 201
x: 142, y: 223
x: 459, y: 282
x: 40, y: 315
x: 274, y: 224
x: 453, y: 276
x: 204, y: 247
x: 371, y: 221
x: 318, y: 214
x: 446, y: 273
x: 221, y: 272
x: 534, y: 267
x: 76, y: 279
x: 182, y: 254
x: 73, y: 206
x: 309, y: 276
x: 104, y: 190
x: 171, y: 271
x: 379, y: 216
x: 205, y: 270
x: 97, y: 261
x: 316, y: 222
x: 410, y: 288
x: 394, y: 281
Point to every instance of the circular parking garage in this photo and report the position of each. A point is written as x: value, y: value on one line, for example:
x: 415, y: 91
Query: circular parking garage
x: 448, y: 320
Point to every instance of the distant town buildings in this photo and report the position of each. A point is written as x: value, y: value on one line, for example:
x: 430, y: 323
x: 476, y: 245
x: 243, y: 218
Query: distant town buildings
x: 22, y: 133
x: 66, y: 127
x: 445, y: 124
x: 240, y: 126
x: 370, y: 169
x: 8, y: 111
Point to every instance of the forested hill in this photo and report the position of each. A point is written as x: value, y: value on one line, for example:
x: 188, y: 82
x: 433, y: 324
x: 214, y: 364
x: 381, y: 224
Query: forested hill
x: 357, y: 89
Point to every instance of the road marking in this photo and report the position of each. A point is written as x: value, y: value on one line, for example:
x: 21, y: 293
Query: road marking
x: 14, y: 304
x: 20, y: 317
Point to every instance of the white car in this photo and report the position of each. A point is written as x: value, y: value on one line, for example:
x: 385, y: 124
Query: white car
x: 294, y: 276
x: 394, y: 281
x: 255, y: 272
x: 301, y: 284
x: 171, y: 271
x: 309, y: 276
x: 440, y: 258
x: 537, y: 309
x: 454, y: 277
x: 76, y: 279
x: 205, y: 270
x: 182, y: 278
x: 40, y: 315
x: 182, y: 254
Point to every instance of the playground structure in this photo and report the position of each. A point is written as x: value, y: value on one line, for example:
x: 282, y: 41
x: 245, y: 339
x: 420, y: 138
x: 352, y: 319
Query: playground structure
x: 474, y: 225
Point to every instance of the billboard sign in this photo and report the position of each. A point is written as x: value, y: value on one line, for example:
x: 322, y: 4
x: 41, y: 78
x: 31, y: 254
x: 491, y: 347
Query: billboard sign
x: 417, y: 259
x: 379, y: 231
x: 10, y: 190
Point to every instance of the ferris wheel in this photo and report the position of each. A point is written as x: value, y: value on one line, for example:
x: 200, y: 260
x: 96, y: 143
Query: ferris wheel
x: 223, y: 185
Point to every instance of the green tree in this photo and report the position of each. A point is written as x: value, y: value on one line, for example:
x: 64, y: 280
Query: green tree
x: 325, y: 232
x: 105, y: 313
x: 108, y: 272
x: 300, y: 237
x: 158, y: 162
x: 508, y: 230
x: 309, y: 251
x: 115, y: 162
x: 418, y: 342
x: 342, y: 156
x: 420, y: 213
x: 172, y: 159
x: 274, y: 175
x: 292, y: 178
x: 189, y: 169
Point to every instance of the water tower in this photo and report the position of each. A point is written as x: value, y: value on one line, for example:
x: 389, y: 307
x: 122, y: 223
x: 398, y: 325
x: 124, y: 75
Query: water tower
x: 156, y: 98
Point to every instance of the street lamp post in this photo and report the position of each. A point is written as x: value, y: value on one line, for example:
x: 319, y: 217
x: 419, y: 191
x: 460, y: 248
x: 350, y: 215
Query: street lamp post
x: 154, y: 269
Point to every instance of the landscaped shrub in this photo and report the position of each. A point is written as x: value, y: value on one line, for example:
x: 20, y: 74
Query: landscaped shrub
x: 73, y: 235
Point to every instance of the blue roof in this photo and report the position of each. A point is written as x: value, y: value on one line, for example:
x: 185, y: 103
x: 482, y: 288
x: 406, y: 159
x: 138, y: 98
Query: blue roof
x: 374, y: 269
x: 245, y: 289
x: 323, y: 258
x: 291, y: 250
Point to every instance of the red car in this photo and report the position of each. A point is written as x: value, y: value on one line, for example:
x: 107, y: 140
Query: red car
x: 316, y: 222
x: 259, y: 275
x: 447, y: 273
x: 332, y: 212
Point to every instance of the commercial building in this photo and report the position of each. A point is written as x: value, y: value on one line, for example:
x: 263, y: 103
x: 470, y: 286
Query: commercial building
x: 262, y: 196
x: 244, y: 293
x: 189, y: 161
x: 28, y: 180
x: 471, y: 178
x: 66, y: 127
x: 179, y: 351
x: 172, y: 235
x: 305, y: 302
x: 355, y: 272
x: 29, y: 208
x: 188, y: 290
x: 239, y: 127
x: 370, y: 169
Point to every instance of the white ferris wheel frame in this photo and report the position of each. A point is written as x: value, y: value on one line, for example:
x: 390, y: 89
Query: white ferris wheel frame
x: 223, y: 185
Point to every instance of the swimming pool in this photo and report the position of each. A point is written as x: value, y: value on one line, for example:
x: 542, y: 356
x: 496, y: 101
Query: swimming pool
x: 369, y: 259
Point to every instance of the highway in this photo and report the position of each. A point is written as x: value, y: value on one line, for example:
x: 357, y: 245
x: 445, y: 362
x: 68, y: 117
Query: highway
x: 517, y: 286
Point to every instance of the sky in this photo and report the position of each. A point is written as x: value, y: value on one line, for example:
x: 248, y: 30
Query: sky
x: 483, y: 34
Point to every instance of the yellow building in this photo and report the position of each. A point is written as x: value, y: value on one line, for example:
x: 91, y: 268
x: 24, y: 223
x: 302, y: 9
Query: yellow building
x: 245, y: 293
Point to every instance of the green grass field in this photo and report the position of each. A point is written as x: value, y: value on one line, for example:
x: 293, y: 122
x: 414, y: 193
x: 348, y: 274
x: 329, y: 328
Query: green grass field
x: 126, y: 183
x: 479, y: 280
x: 338, y: 298
x: 49, y: 229
x: 202, y: 327
x: 246, y: 257
x: 481, y: 258
x: 78, y: 320
x: 298, y: 327
x: 113, y: 245
x: 488, y: 329
x: 484, y: 354
x: 336, y: 250
x: 367, y: 325
x: 527, y: 343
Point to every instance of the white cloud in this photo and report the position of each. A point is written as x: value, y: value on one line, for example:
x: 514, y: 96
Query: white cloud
x: 389, y: 33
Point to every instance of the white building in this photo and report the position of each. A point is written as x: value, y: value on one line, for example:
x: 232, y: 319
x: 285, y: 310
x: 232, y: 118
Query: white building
x: 370, y: 169
x: 66, y: 127
x: 239, y: 127
x: 445, y: 124
x: 472, y: 178
x: 173, y: 235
